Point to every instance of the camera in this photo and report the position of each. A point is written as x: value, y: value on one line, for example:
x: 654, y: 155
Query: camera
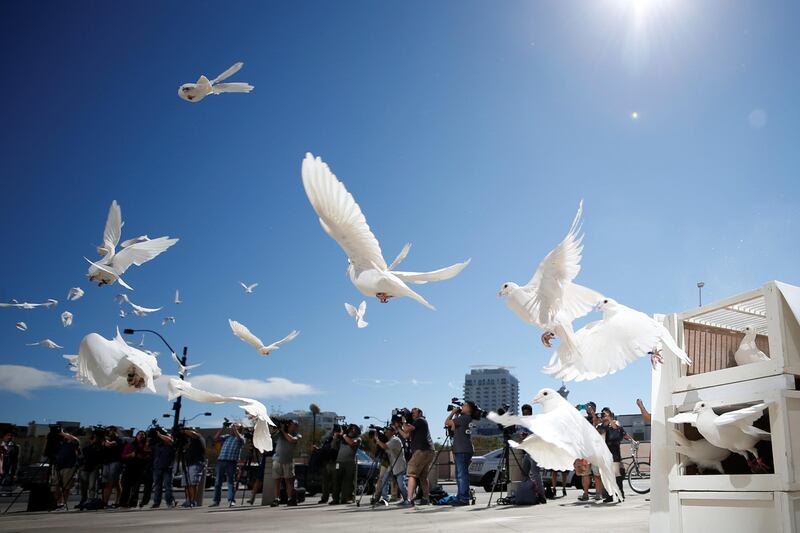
x: 477, y: 412
x: 402, y: 415
x: 226, y: 423
x: 378, y: 431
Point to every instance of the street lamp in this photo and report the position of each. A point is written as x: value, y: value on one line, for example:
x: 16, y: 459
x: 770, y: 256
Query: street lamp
x: 314, y: 408
x: 176, y: 406
x: 700, y: 286
x: 384, y: 422
x: 195, y: 416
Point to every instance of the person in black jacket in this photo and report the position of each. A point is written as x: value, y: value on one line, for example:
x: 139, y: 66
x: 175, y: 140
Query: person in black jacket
x: 614, y: 433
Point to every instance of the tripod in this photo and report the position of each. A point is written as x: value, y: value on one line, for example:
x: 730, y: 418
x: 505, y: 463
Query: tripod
x: 504, y: 467
x: 251, y: 455
x: 374, y: 467
x: 389, y: 475
x: 180, y: 463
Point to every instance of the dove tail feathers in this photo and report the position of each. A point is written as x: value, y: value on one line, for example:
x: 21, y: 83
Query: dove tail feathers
x: 673, y: 347
x: 235, y: 87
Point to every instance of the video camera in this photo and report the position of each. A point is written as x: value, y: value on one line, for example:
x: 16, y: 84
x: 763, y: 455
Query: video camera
x: 477, y: 412
x: 379, y: 432
x: 402, y: 415
x: 283, y: 423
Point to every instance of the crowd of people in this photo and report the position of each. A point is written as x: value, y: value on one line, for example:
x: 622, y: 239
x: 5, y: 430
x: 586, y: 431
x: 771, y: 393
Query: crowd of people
x: 136, y: 472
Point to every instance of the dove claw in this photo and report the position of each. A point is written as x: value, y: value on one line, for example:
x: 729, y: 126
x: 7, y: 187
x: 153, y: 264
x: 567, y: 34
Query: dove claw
x: 656, y: 358
x: 383, y: 297
x: 547, y: 336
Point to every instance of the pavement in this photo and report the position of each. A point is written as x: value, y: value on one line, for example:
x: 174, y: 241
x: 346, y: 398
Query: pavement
x: 564, y: 515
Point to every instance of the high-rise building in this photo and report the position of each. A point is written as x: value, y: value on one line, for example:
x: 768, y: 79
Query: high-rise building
x: 492, y: 388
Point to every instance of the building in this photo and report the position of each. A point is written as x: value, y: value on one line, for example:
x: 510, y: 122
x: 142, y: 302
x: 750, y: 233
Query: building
x: 491, y: 388
x: 325, y: 419
x: 635, y: 426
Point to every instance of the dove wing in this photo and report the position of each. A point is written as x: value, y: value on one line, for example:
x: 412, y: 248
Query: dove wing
x: 253, y: 286
x: 113, y: 229
x: 434, y: 275
x: 362, y: 307
x: 144, y: 309
x: 350, y: 309
x: 340, y: 216
x: 233, y: 69
x: 178, y: 387
x: 286, y: 339
x: 241, y: 331
x: 741, y: 417
x: 401, y: 256
x: 684, y: 418
x: 140, y: 253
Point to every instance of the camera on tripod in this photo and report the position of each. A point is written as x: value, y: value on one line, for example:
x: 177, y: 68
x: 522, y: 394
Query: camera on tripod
x: 477, y: 412
x: 402, y: 415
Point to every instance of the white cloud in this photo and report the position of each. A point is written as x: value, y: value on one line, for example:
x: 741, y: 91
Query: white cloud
x: 375, y: 383
x: 23, y: 380
x: 249, y: 388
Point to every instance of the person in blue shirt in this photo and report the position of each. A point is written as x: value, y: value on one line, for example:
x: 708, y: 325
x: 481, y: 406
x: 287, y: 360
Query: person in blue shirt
x: 227, y: 460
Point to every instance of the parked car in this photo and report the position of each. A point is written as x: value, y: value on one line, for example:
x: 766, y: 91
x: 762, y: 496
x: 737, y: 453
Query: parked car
x: 310, y: 477
x: 484, y: 467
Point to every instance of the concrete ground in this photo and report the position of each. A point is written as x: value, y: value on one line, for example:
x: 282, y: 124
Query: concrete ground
x: 564, y: 515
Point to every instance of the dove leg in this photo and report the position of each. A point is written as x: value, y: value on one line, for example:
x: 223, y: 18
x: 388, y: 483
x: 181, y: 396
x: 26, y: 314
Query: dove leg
x: 547, y: 336
x: 655, y: 357
x: 383, y: 297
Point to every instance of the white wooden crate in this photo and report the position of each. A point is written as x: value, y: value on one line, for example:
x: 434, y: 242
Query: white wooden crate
x: 734, y: 512
x: 784, y: 421
x: 766, y: 309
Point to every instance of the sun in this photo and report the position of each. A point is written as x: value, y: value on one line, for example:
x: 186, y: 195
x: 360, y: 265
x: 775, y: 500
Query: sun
x: 635, y: 115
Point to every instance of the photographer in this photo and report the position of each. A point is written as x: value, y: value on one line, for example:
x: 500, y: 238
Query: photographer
x: 582, y: 466
x: 63, y: 450
x: 325, y: 455
x: 459, y: 421
x: 613, y: 433
x: 194, y: 457
x: 112, y: 465
x: 227, y: 460
x: 137, y: 457
x: 345, y: 473
x: 421, y: 455
x: 283, y: 461
x: 163, y: 457
x: 397, y: 465
x: 91, y: 456
x: 9, y: 452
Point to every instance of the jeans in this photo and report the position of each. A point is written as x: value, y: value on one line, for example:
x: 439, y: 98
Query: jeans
x: 343, y: 480
x: 462, y: 475
x: 88, y: 483
x: 162, y: 480
x: 229, y: 469
x: 400, y: 479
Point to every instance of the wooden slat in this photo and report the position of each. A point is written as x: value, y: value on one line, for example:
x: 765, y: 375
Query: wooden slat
x: 712, y: 348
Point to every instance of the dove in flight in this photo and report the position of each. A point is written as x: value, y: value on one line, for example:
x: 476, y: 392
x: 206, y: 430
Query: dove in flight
x: 732, y: 431
x: 183, y: 369
x: 241, y: 331
x: 194, y: 92
x: 122, y: 313
x: 114, y: 365
x: 358, y: 314
x: 138, y: 310
x: 177, y: 297
x: 341, y: 218
x: 605, y: 346
x: 66, y: 319
x: 167, y: 319
x: 248, y: 289
x: 46, y: 343
x: 22, y: 326
x: 113, y: 265
x: 699, y: 452
x: 559, y: 436
x: 748, y: 352
x: 75, y: 293
x: 26, y: 305
x: 256, y: 411
x: 550, y: 299
x: 135, y: 240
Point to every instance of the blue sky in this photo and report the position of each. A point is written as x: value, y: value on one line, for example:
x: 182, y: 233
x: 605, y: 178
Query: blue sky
x: 468, y: 129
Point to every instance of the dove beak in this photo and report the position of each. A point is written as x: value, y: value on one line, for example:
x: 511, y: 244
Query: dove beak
x: 537, y: 398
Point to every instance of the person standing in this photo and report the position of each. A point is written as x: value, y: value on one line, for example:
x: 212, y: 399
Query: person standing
x: 163, y: 457
x: 459, y: 421
x: 195, y: 461
x: 397, y: 466
x: 136, y: 456
x: 227, y: 460
x: 421, y: 455
x: 9, y: 452
x: 345, y: 469
x: 112, y: 466
x: 582, y: 466
x: 325, y: 456
x: 65, y: 462
x: 91, y: 457
x: 283, y: 461
x: 613, y: 433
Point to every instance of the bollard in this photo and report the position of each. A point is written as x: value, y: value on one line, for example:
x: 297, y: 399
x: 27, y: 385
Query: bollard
x: 268, y: 484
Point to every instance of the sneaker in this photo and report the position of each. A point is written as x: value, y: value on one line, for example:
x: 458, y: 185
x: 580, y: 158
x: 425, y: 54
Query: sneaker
x: 214, y: 504
x: 563, y: 491
x: 60, y: 509
x: 424, y: 501
x: 383, y: 502
x: 291, y: 503
x: 598, y: 498
x: 187, y: 504
x: 406, y: 503
x: 608, y: 499
x: 276, y: 502
x: 231, y: 503
x: 323, y: 500
x: 333, y: 502
x: 156, y: 506
x: 583, y: 498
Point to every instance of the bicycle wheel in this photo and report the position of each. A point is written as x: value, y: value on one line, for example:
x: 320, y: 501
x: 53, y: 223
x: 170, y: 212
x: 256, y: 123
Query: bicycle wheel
x: 639, y: 477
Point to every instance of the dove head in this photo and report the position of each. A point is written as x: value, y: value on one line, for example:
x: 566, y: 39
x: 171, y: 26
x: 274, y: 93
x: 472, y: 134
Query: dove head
x: 549, y: 399
x: 750, y: 331
x: 187, y: 92
x: 507, y: 288
x: 701, y: 407
x: 606, y: 304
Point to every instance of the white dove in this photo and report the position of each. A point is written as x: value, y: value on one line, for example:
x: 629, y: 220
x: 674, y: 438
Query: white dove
x: 550, y: 299
x: 135, y: 240
x: 66, y: 319
x: 732, y: 430
x: 138, y: 310
x: 748, y: 352
x: 113, y: 265
x: 342, y: 219
x: 183, y: 369
x: 22, y: 326
x: 167, y: 319
x: 241, y: 331
x: 248, y: 289
x: 256, y: 411
x: 114, y: 365
x: 194, y: 92
x: 358, y: 314
x: 699, y: 452
x: 560, y: 435
x: 46, y: 343
x: 177, y: 297
x: 25, y: 305
x: 122, y: 313
x: 605, y: 346
x: 75, y: 293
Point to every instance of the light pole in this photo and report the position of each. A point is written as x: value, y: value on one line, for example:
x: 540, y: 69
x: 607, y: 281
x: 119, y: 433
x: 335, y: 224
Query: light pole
x: 700, y: 286
x: 176, y: 406
x: 384, y: 422
x: 195, y: 416
x: 314, y: 408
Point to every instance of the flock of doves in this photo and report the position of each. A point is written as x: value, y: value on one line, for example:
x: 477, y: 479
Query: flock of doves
x: 551, y: 300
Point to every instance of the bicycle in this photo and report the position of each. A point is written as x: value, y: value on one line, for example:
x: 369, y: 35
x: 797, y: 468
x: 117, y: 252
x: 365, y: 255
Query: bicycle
x: 637, y: 472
